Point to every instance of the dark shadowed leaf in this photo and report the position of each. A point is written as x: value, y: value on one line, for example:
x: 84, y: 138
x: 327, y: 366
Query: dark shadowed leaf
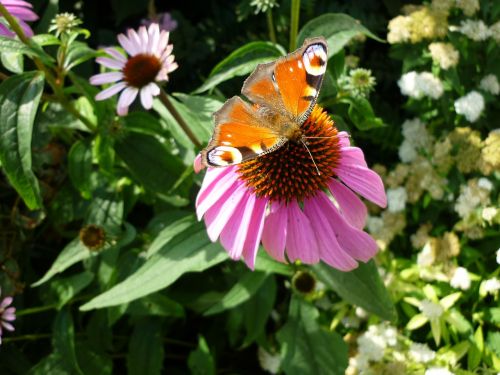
x: 145, y: 355
x: 80, y: 167
x: 19, y: 98
x: 200, y: 361
x: 337, y: 28
x: 362, y: 287
x: 65, y: 289
x: 63, y: 341
x: 306, y: 347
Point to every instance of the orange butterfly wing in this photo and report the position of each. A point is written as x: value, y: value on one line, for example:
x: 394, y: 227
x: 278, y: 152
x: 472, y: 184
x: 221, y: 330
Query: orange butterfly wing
x: 240, y: 135
x: 291, y: 84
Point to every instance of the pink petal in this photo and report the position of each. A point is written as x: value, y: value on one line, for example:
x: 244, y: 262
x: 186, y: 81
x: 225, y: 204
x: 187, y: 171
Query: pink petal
x: 126, y: 98
x: 116, y: 54
x: 329, y: 248
x: 355, y: 242
x: 234, y: 234
x: 26, y: 28
x: 102, y: 78
x: 127, y: 44
x: 301, y: 242
x: 110, y: 91
x: 5, y: 31
x: 136, y: 41
x: 6, y: 302
x: 163, y: 39
x: 344, y: 139
x: 219, y: 214
x: 146, y: 97
x: 275, y: 229
x: 254, y: 232
x: 351, y: 207
x: 363, y: 181
x: 197, y: 164
x: 217, y: 181
x: 8, y: 326
x: 352, y: 156
x: 110, y: 63
x: 22, y: 13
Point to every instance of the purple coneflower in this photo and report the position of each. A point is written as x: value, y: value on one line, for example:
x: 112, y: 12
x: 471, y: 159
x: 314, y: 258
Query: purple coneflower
x: 22, y: 11
x: 281, y: 200
x: 149, y: 62
x: 7, y: 315
x: 164, y: 20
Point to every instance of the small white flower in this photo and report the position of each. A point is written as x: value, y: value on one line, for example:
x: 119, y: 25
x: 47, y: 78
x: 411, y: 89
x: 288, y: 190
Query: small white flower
x: 351, y: 322
x: 491, y: 286
x: 490, y: 84
x: 361, y: 313
x: 430, y: 309
x: 407, y: 152
x: 495, y: 31
x: 417, y: 85
x: 470, y: 105
x: 371, y: 347
x: 426, y: 257
x: 261, y: 6
x: 489, y: 213
x: 469, y: 7
x: 421, y: 352
x: 444, y: 54
x: 460, y: 279
x: 396, y: 199
x: 438, y: 371
x: 484, y: 183
x: 269, y: 362
x: 498, y: 256
x: 374, y: 224
x: 475, y: 30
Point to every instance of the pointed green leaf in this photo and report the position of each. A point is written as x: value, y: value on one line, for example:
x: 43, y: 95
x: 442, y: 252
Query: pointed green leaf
x: 13, y: 62
x: 362, y: 287
x: 307, y: 348
x: 240, y: 292
x: 476, y: 349
x: 19, y: 98
x: 200, y: 361
x: 145, y: 355
x: 80, y: 167
x: 190, y: 251
x: 65, y: 289
x: 241, y: 63
x: 416, y: 322
x: 64, y: 341
x: 337, y: 28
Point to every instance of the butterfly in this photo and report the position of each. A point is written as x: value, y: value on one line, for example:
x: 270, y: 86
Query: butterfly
x: 282, y: 95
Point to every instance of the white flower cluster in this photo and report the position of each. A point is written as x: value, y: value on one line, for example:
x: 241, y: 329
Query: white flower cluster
x: 498, y: 256
x: 460, y: 279
x: 472, y: 196
x: 416, y: 137
x: 396, y: 199
x: 431, y: 309
x: 262, y: 6
x: 491, y: 286
x: 438, y: 371
x: 372, y: 345
x: 444, y: 54
x: 490, y: 84
x: 418, y: 85
x: 476, y: 30
x: 421, y: 353
x: 470, y: 105
x: 425, y: 257
x: 469, y: 7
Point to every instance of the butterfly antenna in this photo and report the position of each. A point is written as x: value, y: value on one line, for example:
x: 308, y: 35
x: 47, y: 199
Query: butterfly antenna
x: 307, y: 148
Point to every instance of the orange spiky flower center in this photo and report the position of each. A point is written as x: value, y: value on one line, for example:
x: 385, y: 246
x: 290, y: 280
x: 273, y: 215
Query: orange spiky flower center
x: 141, y: 70
x: 290, y: 173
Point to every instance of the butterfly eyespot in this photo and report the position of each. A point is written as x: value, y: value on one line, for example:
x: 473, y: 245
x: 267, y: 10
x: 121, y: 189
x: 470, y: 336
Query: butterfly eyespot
x: 224, y: 155
x: 314, y: 59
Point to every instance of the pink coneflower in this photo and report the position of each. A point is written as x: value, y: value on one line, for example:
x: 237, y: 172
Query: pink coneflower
x: 149, y: 62
x: 7, y: 315
x: 279, y: 199
x: 22, y: 11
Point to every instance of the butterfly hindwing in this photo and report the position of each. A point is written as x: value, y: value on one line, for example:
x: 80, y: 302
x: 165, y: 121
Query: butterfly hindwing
x: 240, y: 135
x: 291, y: 84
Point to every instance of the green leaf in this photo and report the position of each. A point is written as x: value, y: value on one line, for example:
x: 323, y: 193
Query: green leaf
x: 241, y: 62
x: 169, y: 232
x: 149, y: 161
x: 8, y: 44
x: 156, y: 304
x: 78, y: 53
x: 493, y: 342
x: 145, y: 354
x: 19, y: 98
x: 361, y: 113
x: 362, y: 287
x: 64, y: 341
x: 53, y: 364
x: 73, y: 253
x: 80, y: 167
x: 106, y: 210
x: 45, y: 40
x: 257, y: 310
x: 13, y: 62
x: 307, y: 348
x: 143, y: 122
x: 241, y: 292
x: 65, y: 289
x: 200, y: 361
x: 416, y: 322
x: 476, y: 349
x: 337, y: 28
x: 190, y: 251
x: 267, y: 264
x: 91, y: 362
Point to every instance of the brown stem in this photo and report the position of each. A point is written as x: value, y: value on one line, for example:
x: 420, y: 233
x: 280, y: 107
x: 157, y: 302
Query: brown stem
x: 51, y: 80
x: 166, y: 101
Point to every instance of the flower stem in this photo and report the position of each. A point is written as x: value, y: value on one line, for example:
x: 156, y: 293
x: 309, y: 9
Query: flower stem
x: 166, y: 101
x: 270, y: 26
x: 27, y: 337
x: 294, y: 24
x: 51, y: 80
x: 35, y: 310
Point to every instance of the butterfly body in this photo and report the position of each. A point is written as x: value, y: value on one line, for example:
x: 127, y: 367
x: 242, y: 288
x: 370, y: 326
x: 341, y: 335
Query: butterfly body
x: 282, y: 94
